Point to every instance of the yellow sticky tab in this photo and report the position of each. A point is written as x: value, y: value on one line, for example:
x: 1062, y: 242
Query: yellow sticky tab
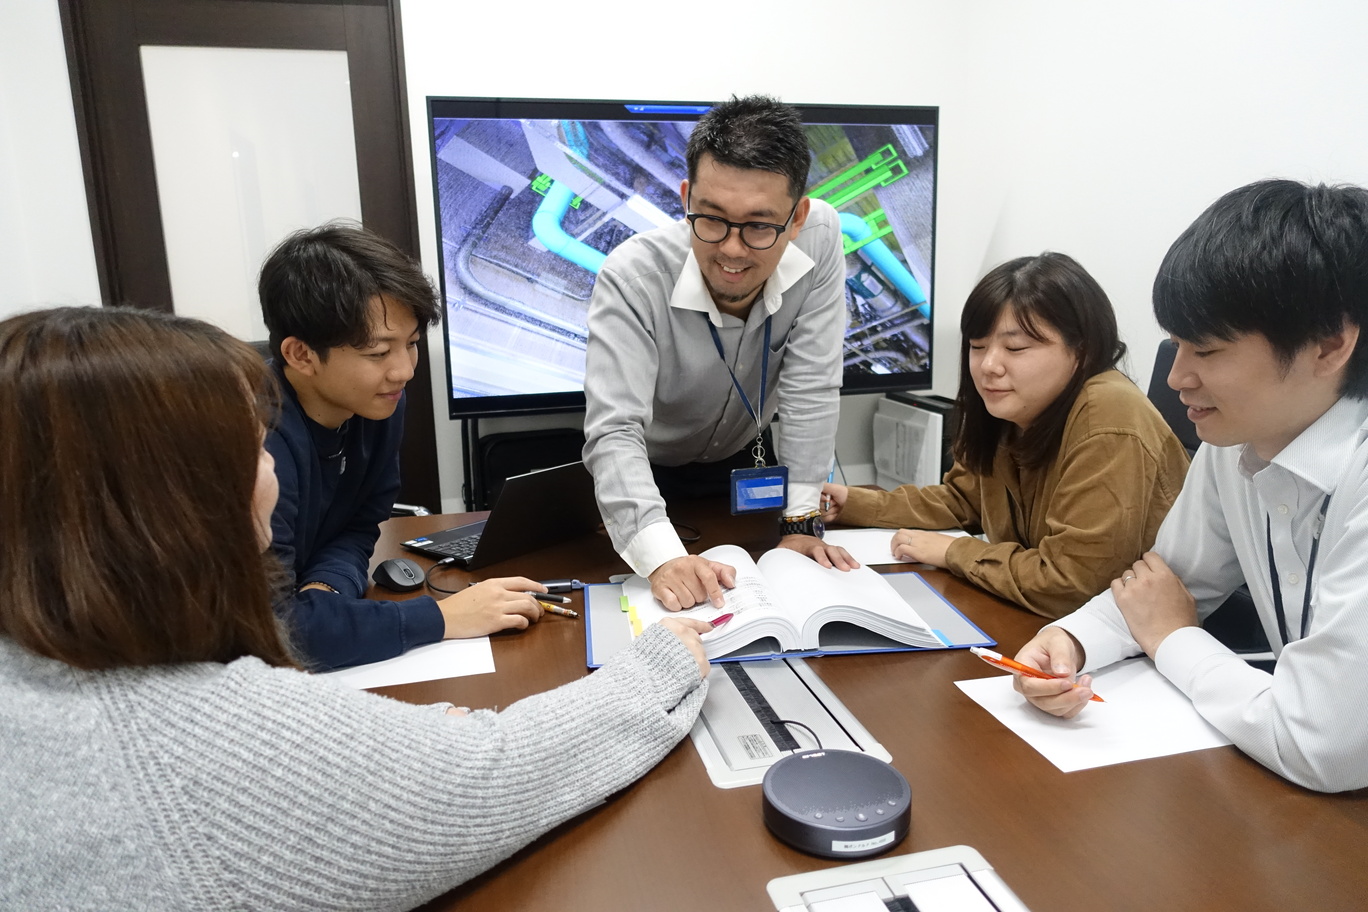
x: 634, y: 621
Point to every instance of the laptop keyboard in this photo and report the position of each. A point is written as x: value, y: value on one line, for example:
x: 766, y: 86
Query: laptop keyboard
x: 457, y: 547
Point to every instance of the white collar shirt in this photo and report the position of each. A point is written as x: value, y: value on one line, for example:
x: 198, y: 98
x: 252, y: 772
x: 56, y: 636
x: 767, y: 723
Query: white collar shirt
x: 1299, y: 720
x: 691, y: 293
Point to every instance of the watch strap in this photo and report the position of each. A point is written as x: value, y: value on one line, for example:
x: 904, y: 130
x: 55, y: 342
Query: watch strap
x: 806, y: 524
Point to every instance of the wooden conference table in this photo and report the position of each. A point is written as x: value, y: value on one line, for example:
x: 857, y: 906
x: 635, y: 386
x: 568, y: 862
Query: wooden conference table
x: 1210, y: 830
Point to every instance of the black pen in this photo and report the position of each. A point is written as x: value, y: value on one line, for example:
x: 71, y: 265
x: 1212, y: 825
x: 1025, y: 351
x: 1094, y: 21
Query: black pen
x: 562, y: 585
x: 543, y: 597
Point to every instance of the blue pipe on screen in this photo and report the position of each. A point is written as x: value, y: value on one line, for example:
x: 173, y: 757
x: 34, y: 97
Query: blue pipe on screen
x: 886, y: 261
x: 546, y: 225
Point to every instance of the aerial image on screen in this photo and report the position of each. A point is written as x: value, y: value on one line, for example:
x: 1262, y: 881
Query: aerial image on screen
x: 530, y: 201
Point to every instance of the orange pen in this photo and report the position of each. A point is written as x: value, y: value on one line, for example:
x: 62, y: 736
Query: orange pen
x: 997, y: 660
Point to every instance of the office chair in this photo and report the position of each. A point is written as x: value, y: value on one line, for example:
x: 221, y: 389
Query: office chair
x: 1165, y: 398
x: 1235, y: 623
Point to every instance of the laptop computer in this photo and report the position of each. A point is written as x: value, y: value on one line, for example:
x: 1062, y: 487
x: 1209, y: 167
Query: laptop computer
x: 533, y: 511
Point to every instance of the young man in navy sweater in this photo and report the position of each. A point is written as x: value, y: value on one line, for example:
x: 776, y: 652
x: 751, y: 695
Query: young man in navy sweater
x: 345, y: 309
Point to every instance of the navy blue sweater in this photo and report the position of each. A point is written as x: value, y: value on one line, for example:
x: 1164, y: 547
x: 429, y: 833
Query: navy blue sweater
x: 336, y: 487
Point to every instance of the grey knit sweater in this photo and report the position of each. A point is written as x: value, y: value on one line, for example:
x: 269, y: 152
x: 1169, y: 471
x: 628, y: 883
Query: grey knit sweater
x: 242, y: 786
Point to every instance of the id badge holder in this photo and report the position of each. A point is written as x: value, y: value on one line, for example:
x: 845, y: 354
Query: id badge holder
x: 758, y: 490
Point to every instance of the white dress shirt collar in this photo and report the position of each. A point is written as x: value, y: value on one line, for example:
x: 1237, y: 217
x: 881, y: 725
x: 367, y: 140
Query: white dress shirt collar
x: 690, y: 292
x: 1319, y: 453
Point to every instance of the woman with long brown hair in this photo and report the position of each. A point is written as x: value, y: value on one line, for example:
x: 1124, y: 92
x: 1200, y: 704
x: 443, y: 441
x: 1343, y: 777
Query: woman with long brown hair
x: 1059, y: 458
x: 161, y: 750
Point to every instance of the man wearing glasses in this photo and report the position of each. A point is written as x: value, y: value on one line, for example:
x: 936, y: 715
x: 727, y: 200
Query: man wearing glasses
x: 701, y: 332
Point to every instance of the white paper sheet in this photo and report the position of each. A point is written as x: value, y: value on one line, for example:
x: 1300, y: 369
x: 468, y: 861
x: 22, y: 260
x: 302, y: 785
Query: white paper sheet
x: 447, y: 659
x: 871, y: 546
x: 1143, y: 716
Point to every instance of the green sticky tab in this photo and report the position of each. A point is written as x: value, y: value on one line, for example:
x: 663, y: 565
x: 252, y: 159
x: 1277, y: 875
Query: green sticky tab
x: 622, y: 603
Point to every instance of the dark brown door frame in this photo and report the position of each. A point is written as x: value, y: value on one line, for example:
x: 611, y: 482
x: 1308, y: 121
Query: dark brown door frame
x: 102, y: 41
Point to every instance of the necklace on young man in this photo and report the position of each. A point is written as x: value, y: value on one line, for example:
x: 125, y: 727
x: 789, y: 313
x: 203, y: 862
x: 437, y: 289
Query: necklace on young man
x: 341, y: 447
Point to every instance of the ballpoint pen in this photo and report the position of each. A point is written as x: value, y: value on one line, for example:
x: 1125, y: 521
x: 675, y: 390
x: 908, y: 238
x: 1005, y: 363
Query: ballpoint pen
x: 545, y: 597
x: 720, y: 620
x: 997, y: 660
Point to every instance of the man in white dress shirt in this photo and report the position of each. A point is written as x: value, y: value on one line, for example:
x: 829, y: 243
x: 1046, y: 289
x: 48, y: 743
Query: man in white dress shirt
x: 1265, y: 295
x: 700, y: 332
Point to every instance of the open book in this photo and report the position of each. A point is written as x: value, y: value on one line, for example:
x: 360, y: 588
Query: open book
x: 786, y: 603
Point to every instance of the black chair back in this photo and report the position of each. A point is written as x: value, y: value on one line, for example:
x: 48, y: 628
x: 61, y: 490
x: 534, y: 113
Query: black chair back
x: 1165, y: 398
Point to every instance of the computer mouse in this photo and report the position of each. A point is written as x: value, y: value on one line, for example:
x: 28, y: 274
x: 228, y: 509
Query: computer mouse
x: 398, y: 574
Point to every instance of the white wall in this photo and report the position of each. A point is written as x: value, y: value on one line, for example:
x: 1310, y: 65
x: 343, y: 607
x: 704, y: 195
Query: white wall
x: 46, y: 254
x: 1100, y: 129
x: 1097, y: 128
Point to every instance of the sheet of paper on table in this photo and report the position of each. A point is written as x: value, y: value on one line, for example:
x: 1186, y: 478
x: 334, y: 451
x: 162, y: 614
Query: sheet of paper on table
x: 1144, y: 716
x: 447, y: 659
x: 870, y: 546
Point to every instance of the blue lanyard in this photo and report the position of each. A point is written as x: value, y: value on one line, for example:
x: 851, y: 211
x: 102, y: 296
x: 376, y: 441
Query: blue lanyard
x: 764, y: 369
x: 1310, y: 569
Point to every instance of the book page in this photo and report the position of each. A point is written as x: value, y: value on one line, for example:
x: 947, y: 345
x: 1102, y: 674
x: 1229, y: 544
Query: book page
x: 813, y: 595
x: 755, y: 611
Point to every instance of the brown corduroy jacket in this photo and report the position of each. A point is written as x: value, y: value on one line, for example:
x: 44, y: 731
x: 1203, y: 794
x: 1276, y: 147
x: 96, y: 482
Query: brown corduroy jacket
x: 1058, y: 535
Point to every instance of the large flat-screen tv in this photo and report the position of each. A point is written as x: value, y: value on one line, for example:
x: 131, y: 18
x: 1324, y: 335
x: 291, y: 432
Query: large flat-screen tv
x: 531, y: 194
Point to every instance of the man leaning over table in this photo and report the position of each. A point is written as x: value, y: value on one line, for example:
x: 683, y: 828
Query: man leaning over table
x: 755, y: 261
x: 1265, y: 295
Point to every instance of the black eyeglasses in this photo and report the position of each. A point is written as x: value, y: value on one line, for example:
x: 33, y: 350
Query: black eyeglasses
x: 711, y: 229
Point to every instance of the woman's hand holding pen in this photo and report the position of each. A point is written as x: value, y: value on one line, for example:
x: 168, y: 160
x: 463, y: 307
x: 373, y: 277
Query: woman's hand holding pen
x: 1054, y: 650
x: 833, y: 501
x: 688, y: 629
x: 493, y: 605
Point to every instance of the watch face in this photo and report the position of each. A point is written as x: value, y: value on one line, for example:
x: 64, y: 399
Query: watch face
x: 818, y: 527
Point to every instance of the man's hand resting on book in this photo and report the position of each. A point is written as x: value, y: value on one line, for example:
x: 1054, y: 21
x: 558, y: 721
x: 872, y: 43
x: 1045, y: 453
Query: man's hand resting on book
x: 820, y: 551
x: 691, y: 580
